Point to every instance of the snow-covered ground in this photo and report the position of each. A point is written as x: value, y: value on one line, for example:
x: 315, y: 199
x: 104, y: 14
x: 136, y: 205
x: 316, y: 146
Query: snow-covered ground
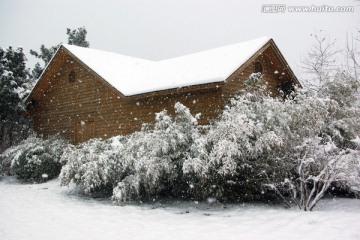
x: 46, y: 211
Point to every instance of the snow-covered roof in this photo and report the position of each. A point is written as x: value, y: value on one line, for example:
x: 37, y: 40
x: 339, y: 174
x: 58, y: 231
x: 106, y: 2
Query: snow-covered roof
x: 132, y: 76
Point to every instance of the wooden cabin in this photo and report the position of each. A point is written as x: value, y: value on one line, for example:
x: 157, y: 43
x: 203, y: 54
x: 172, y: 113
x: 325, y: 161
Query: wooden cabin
x: 85, y: 93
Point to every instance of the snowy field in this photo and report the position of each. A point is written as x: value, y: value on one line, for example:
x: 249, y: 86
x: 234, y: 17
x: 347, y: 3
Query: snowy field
x: 46, y: 211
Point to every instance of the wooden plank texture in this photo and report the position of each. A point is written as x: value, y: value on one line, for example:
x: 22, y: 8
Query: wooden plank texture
x: 87, y: 106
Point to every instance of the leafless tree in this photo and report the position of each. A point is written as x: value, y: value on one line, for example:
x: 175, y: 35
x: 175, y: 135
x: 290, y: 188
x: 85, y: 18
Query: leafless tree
x: 318, y: 167
x: 352, y: 54
x: 320, y: 62
x: 316, y: 175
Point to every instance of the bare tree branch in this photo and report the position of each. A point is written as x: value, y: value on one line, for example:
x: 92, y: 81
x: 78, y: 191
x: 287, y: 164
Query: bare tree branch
x: 320, y: 63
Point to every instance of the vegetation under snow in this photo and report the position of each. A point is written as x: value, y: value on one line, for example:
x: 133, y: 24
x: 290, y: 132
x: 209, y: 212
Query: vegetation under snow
x: 261, y: 148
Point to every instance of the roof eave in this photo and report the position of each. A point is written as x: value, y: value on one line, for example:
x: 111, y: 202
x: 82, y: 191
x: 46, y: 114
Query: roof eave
x: 249, y: 60
x: 93, y: 71
x: 282, y: 58
x: 179, y: 90
x: 46, y: 69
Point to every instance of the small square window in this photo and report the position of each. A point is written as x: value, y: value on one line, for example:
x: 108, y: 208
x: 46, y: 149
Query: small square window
x: 258, y: 68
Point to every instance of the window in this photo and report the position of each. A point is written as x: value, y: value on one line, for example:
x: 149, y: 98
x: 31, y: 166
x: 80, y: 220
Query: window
x: 72, y: 76
x: 258, y: 67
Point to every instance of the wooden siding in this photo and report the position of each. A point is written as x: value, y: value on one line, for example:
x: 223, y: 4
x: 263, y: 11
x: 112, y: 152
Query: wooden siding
x: 274, y: 71
x: 90, y: 107
x: 67, y: 108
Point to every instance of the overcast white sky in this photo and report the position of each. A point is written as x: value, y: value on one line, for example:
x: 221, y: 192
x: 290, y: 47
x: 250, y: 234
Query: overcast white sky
x: 158, y: 29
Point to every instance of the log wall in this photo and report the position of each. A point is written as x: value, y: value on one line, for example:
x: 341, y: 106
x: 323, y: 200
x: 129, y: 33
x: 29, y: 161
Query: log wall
x: 88, y: 108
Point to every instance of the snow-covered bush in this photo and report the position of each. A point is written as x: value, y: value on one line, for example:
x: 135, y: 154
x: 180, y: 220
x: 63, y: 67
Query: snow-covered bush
x: 251, y: 150
x: 344, y: 116
x: 332, y: 158
x: 317, y: 167
x: 245, y: 143
x: 1, y: 169
x: 95, y: 165
x: 144, y: 165
x: 156, y: 155
x: 35, y: 159
x: 260, y: 147
x: 6, y: 158
x: 320, y: 166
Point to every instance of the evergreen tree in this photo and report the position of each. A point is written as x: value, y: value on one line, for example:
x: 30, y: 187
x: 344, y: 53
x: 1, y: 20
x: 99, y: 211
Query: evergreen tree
x: 14, y: 85
x: 75, y: 37
x: 45, y: 55
x: 37, y: 70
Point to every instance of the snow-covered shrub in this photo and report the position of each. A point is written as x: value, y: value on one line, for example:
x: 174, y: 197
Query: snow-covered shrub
x: 35, y: 159
x: 332, y: 158
x: 260, y: 147
x: 1, y: 169
x: 5, y: 160
x: 144, y: 165
x: 344, y: 116
x: 318, y: 166
x: 248, y: 141
x: 156, y: 155
x: 250, y: 151
x: 95, y: 165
